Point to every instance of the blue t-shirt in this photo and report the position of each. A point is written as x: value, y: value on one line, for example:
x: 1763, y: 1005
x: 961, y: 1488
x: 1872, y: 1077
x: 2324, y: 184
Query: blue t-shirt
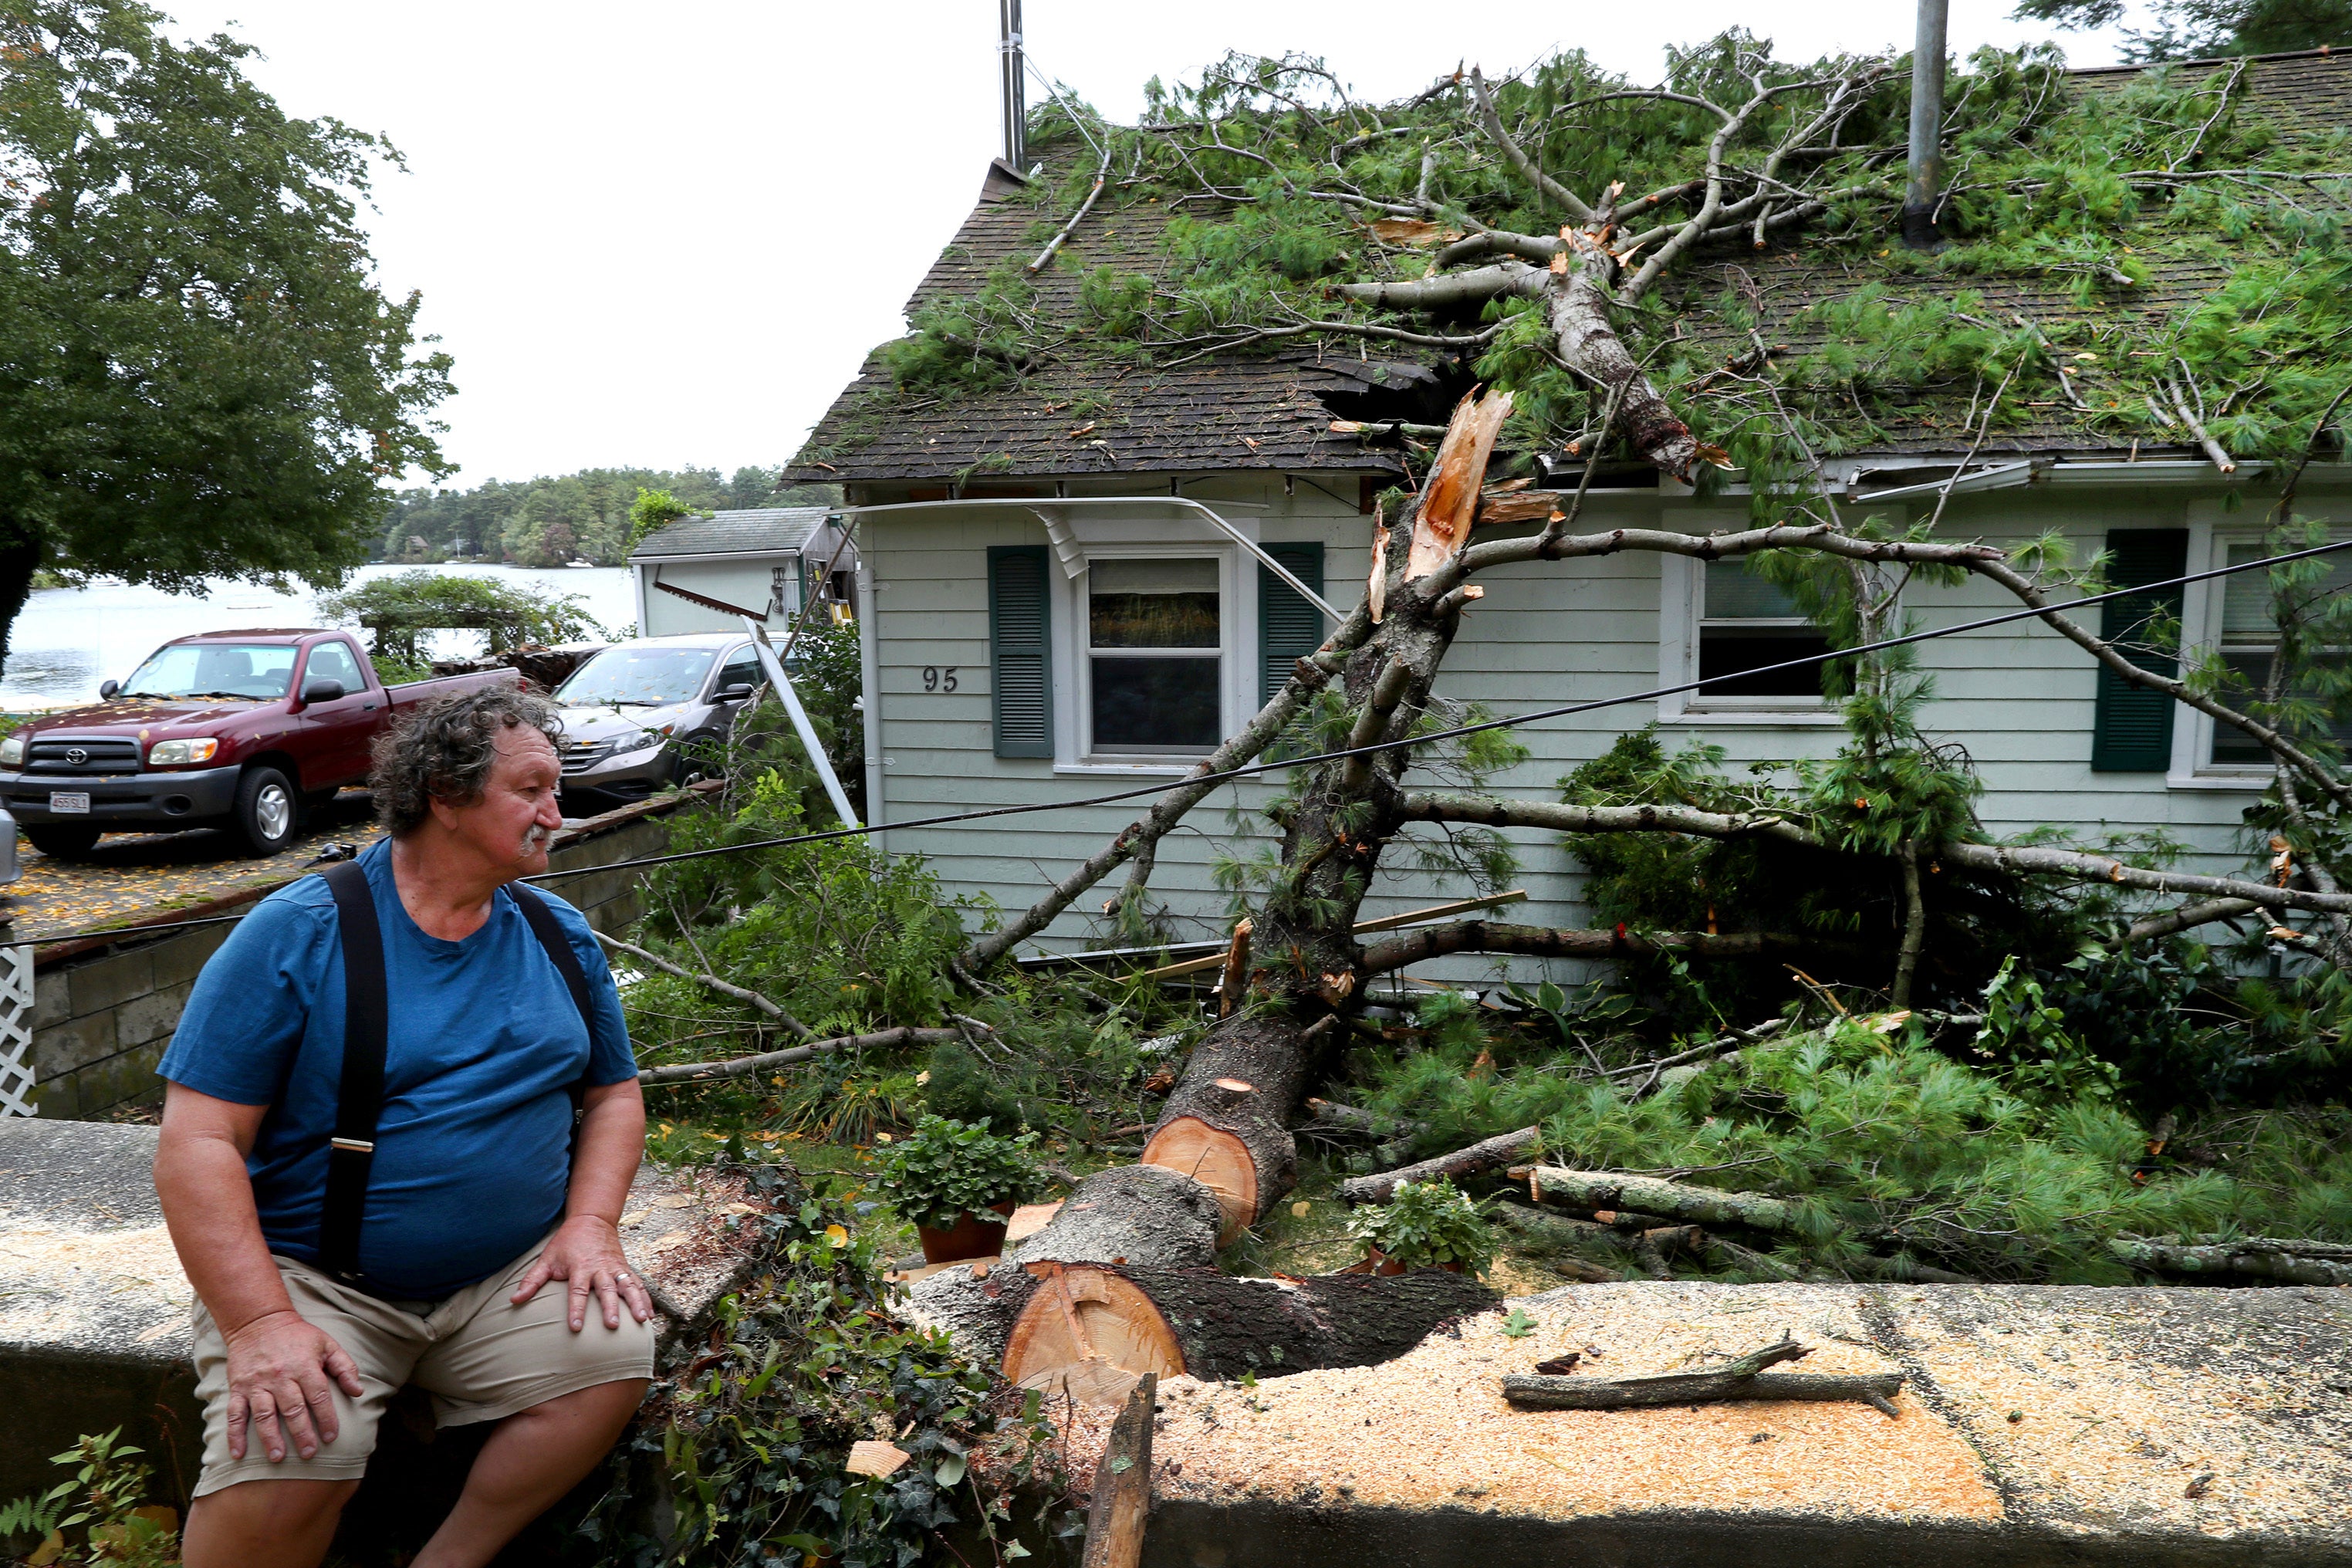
x: 472, y: 1159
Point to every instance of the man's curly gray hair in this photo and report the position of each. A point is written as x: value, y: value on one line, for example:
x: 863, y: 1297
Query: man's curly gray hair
x: 444, y: 750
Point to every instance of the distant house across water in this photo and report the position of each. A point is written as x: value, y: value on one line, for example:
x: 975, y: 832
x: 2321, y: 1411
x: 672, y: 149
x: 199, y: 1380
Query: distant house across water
x: 766, y: 562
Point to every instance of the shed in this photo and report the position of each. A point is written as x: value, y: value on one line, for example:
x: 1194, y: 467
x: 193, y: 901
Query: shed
x: 768, y: 561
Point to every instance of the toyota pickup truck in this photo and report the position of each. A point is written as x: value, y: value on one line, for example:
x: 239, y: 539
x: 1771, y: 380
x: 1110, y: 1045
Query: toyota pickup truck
x: 245, y: 731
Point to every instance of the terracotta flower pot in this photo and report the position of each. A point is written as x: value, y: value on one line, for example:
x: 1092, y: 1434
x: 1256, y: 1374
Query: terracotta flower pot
x: 971, y: 1236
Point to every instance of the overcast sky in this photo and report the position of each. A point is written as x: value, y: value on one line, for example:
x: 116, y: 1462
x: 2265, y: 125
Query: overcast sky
x: 667, y: 235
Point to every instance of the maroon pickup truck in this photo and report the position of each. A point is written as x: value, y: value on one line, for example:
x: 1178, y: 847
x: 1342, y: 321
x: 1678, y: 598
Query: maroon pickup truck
x: 244, y: 731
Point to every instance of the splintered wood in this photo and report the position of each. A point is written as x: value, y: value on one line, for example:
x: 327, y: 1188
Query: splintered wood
x: 1449, y: 502
x: 1086, y: 1335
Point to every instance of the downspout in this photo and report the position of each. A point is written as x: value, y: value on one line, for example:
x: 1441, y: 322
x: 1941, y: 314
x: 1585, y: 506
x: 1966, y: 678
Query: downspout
x: 1923, y: 191
x: 869, y: 677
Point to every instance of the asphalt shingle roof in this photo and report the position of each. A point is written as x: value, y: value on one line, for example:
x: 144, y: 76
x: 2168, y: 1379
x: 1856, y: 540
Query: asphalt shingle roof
x: 1269, y: 411
x: 732, y: 533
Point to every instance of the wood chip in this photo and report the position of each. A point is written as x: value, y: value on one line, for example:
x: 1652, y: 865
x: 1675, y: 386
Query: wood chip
x: 875, y: 1458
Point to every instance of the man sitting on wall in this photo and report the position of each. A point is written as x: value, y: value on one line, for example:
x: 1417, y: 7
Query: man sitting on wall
x: 402, y: 1113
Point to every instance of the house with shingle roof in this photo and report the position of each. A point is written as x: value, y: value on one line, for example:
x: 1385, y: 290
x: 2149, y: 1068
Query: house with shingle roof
x: 768, y: 561
x: 1082, y: 579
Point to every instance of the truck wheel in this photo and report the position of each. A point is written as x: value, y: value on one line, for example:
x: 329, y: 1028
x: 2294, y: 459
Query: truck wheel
x: 268, y: 812
x: 60, y: 841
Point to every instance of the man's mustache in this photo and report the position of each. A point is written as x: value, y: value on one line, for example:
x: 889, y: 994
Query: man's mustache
x: 535, y: 837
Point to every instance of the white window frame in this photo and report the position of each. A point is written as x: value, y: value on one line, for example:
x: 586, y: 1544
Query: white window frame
x: 2201, y: 608
x: 1681, y: 617
x: 1074, y: 656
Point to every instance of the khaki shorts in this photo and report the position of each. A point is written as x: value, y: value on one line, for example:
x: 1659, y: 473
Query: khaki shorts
x: 480, y: 1357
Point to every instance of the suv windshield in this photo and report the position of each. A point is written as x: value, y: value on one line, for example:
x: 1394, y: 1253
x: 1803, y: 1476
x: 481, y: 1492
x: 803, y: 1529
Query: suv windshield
x: 214, y: 670
x: 638, y: 677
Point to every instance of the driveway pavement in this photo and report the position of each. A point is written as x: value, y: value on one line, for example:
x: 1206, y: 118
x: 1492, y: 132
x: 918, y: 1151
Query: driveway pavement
x: 144, y: 873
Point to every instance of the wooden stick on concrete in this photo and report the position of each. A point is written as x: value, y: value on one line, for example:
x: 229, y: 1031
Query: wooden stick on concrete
x: 1735, y: 1380
x: 1123, y: 1484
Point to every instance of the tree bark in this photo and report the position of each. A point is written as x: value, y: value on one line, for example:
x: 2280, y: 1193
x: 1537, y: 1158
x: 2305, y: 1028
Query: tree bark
x: 1495, y: 936
x: 748, y: 1066
x: 1877, y: 1389
x: 1591, y: 1190
x: 1492, y: 1154
x: 2246, y: 1258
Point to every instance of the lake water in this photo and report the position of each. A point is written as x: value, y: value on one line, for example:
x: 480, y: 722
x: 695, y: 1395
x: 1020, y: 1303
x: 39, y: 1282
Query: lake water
x: 69, y: 639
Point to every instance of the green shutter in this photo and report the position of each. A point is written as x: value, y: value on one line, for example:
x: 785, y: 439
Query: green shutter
x: 1289, y: 627
x: 2133, y: 730
x: 1021, y: 657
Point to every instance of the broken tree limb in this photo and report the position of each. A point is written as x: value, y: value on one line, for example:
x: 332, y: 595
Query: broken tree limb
x: 1236, y: 969
x: 2014, y: 859
x: 1169, y: 810
x: 1122, y: 1491
x: 712, y: 982
x: 1492, y: 1155
x: 1351, y: 1118
x: 1494, y: 936
x: 2188, y: 917
x: 2246, y: 1258
x: 749, y: 1066
x: 1063, y: 232
x: 1591, y: 1190
x: 1516, y: 157
x: 1535, y: 1392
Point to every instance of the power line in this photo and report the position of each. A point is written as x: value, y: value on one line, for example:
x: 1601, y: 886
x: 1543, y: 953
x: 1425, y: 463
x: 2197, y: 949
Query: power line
x: 1254, y: 769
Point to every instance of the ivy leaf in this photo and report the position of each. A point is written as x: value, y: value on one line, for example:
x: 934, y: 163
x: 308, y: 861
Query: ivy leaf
x: 950, y: 1470
x: 1121, y: 1465
x: 1014, y: 1549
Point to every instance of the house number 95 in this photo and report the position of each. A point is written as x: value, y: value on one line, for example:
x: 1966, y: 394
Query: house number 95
x: 938, y: 679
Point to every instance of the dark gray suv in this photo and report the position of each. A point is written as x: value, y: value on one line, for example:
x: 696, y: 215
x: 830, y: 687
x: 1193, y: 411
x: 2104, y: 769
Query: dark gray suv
x: 632, y: 714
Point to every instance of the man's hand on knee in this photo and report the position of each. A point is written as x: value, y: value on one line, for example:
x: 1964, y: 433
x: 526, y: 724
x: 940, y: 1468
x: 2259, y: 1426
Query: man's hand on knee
x: 279, y: 1368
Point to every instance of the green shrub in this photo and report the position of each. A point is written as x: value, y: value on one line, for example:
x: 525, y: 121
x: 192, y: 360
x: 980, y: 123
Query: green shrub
x: 949, y: 1169
x: 1427, y: 1225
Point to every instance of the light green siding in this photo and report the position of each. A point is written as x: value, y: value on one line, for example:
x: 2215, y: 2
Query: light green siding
x: 2020, y: 697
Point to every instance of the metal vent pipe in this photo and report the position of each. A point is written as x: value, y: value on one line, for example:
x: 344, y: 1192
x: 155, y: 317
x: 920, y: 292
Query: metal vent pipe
x: 1924, y: 190
x: 1012, y: 97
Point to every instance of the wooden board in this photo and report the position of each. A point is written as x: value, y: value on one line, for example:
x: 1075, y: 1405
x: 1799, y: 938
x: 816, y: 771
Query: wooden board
x: 1088, y: 1334
x: 1214, y: 1158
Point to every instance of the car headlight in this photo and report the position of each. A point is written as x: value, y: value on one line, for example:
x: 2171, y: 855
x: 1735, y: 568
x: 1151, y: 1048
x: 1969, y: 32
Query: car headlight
x: 180, y: 753
x: 12, y: 752
x: 641, y: 740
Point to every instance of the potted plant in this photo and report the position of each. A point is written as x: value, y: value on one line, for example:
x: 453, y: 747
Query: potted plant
x: 1427, y: 1225
x: 958, y: 1181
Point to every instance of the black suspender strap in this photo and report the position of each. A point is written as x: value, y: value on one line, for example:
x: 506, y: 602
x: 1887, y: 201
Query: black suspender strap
x: 359, y: 1100
x: 359, y: 1103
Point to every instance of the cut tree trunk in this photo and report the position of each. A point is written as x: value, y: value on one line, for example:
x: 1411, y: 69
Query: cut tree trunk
x: 1133, y: 1247
x: 1877, y: 1389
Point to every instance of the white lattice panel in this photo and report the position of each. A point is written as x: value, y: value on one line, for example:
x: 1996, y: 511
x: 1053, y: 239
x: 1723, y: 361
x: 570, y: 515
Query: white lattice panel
x: 17, y: 1031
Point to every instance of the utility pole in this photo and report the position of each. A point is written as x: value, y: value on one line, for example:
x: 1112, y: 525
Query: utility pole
x: 1013, y: 98
x: 1925, y: 187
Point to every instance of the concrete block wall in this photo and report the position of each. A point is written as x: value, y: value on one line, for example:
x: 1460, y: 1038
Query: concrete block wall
x: 102, y: 1018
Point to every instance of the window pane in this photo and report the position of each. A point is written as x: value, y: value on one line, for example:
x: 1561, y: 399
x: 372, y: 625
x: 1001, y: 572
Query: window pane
x: 214, y: 670
x: 1155, y: 704
x: 2249, y: 672
x: 1724, y: 650
x: 1152, y: 604
x: 2246, y: 612
x: 333, y: 661
x: 1736, y: 593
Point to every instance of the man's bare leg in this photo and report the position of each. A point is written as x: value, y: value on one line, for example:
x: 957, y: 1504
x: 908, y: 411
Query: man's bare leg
x: 531, y: 1461
x: 265, y: 1524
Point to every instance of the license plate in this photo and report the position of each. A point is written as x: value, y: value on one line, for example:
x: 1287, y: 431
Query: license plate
x: 69, y: 803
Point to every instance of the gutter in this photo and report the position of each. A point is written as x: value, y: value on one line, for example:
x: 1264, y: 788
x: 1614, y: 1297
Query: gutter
x: 1046, y: 511
x: 2005, y: 477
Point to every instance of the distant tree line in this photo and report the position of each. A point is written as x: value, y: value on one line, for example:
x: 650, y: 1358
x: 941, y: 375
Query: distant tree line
x: 550, y: 520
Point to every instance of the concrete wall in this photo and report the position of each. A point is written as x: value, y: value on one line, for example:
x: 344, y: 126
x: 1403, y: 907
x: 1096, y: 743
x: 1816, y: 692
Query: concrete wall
x: 102, y: 1018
